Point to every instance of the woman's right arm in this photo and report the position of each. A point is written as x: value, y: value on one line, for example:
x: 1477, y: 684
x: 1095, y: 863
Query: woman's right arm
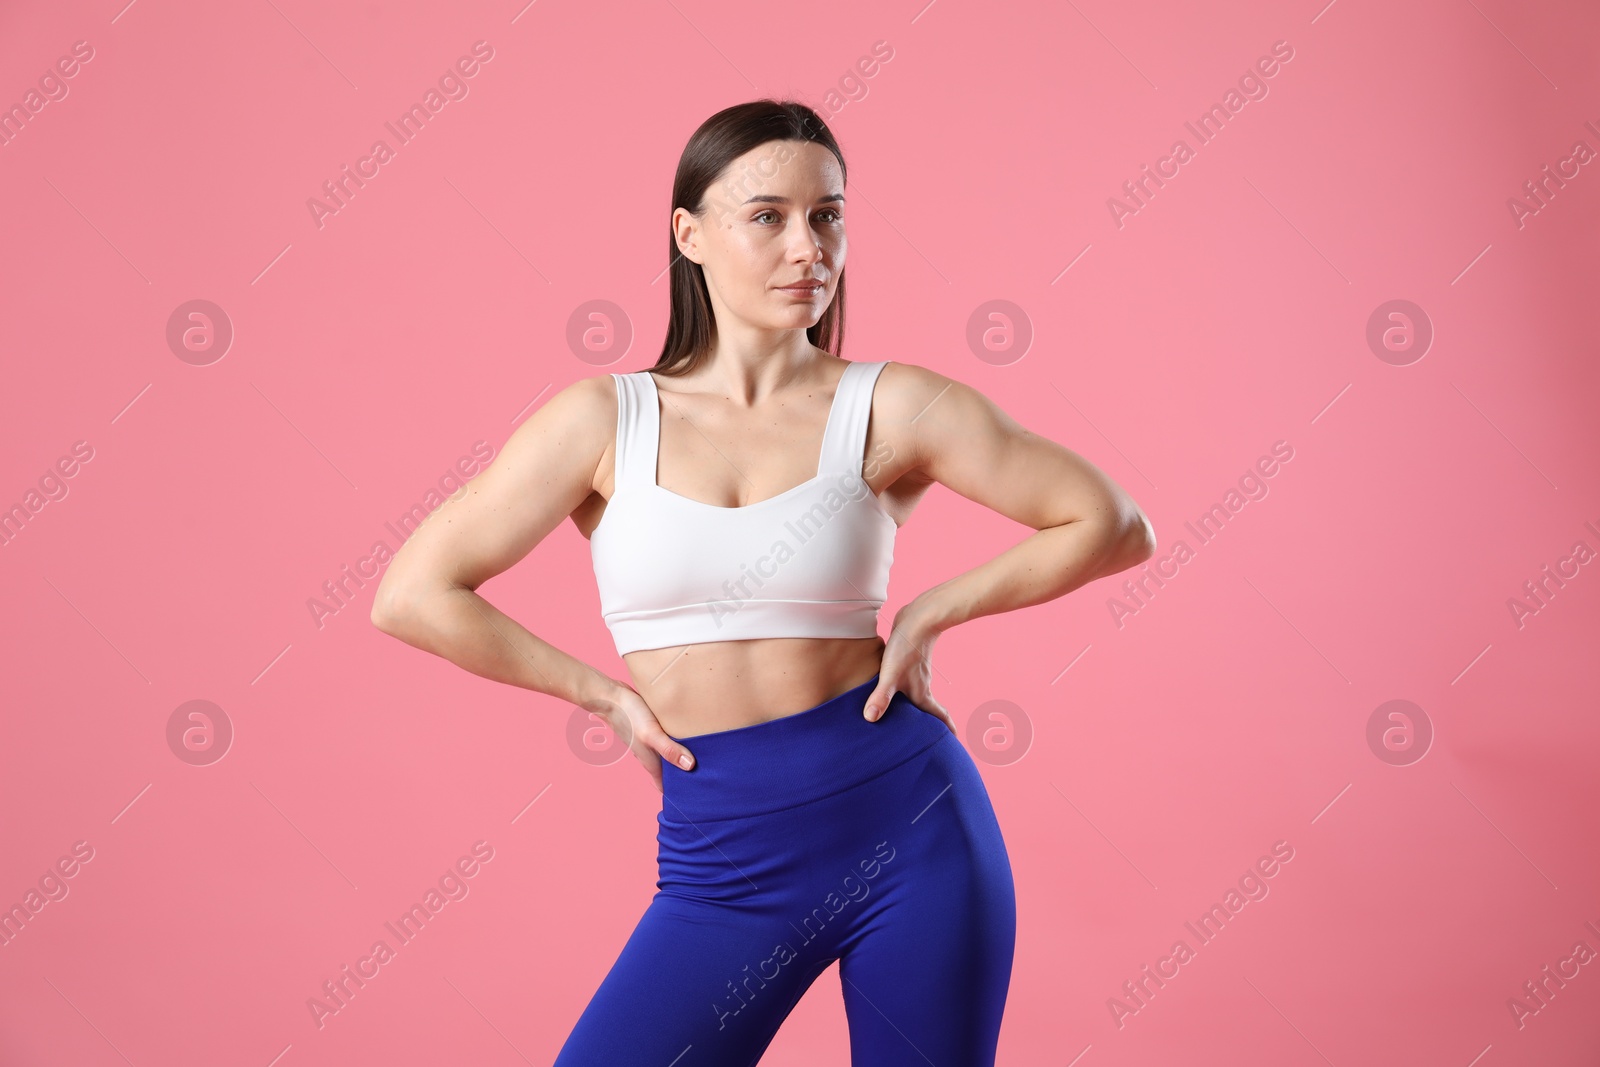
x: 428, y: 596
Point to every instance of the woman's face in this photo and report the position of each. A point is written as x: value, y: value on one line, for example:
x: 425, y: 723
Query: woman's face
x: 773, y: 219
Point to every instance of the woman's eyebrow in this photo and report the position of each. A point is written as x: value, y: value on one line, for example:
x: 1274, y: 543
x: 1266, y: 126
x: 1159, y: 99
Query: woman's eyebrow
x: 784, y: 199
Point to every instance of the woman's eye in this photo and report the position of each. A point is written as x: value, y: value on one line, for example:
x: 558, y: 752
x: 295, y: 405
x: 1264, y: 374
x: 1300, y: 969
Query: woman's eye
x: 830, y: 216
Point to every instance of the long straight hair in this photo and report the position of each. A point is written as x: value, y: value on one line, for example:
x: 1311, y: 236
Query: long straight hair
x: 721, y: 139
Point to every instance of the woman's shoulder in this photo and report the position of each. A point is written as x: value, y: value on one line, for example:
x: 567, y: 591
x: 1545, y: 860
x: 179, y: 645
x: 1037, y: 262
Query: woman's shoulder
x: 585, y: 407
x: 910, y: 386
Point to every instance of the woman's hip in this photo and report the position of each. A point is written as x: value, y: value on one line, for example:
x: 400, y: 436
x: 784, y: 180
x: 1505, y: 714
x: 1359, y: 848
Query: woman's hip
x: 823, y: 802
x: 797, y: 759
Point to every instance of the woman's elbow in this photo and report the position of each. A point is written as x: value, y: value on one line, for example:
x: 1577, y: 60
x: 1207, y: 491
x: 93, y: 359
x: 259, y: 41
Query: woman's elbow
x: 1133, y: 542
x: 385, y: 613
x: 389, y: 602
x: 1141, y: 538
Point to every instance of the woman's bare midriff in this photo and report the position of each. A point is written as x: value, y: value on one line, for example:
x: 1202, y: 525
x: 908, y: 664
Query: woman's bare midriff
x: 723, y: 685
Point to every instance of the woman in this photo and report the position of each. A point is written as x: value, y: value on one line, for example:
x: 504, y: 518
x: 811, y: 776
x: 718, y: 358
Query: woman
x: 741, y: 500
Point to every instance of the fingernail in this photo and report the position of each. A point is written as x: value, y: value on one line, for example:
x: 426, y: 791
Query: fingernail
x: 871, y: 713
x: 686, y: 761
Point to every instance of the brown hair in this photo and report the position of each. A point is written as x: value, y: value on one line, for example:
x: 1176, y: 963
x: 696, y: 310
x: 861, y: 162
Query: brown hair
x: 722, y: 138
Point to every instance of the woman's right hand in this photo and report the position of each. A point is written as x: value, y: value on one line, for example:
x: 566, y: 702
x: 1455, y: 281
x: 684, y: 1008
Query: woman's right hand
x: 631, y: 719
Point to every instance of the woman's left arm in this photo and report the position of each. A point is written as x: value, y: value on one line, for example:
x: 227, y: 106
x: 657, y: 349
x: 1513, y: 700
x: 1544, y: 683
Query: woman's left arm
x: 1087, y: 525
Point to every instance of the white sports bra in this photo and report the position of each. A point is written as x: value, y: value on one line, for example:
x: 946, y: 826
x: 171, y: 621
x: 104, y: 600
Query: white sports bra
x: 812, y: 561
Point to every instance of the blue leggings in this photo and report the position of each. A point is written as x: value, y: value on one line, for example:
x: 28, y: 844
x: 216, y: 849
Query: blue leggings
x: 796, y: 842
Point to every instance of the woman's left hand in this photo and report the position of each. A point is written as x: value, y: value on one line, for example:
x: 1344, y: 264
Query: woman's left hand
x: 906, y: 668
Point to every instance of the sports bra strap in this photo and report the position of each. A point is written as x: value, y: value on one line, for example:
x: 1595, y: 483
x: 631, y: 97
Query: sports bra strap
x: 845, y: 440
x: 637, y: 433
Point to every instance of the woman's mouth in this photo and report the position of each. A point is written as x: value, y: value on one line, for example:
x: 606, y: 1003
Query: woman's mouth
x: 803, y: 291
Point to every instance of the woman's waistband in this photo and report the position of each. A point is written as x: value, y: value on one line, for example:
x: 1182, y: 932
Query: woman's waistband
x: 793, y: 760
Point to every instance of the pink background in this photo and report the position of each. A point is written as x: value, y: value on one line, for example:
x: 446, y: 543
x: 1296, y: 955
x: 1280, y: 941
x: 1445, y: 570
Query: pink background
x: 1169, y: 752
